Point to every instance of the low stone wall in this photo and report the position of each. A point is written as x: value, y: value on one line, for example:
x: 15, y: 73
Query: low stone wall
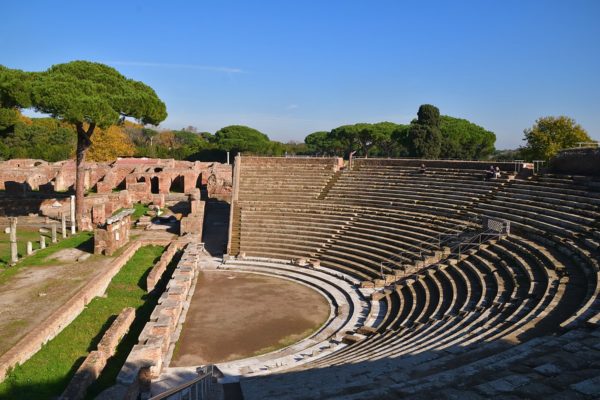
x: 507, y: 166
x: 334, y: 162
x: 113, y: 234
x: 65, y: 314
x: 194, y: 221
x: 155, y: 339
x: 94, y: 363
x: 576, y: 162
x: 161, y: 266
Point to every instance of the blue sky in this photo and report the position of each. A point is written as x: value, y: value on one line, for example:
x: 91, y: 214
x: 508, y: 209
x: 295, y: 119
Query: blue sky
x: 289, y: 68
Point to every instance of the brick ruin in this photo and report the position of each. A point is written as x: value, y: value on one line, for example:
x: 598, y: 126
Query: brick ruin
x: 195, y: 219
x: 94, y: 363
x: 39, y: 187
x: 113, y: 234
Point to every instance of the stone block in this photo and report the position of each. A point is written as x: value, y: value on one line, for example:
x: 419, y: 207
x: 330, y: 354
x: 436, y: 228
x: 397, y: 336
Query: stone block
x: 191, y: 224
x: 140, y: 357
x: 117, y: 330
x: 589, y: 387
x: 86, y: 374
x: 98, y: 214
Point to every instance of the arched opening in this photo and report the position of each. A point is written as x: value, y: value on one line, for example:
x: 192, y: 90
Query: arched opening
x: 154, y: 185
x: 177, y: 185
x: 121, y: 186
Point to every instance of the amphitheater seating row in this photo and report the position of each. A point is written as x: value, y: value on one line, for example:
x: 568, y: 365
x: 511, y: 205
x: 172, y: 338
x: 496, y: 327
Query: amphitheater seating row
x: 463, y: 324
x: 444, y: 190
x: 299, y: 180
x: 349, y: 239
x: 478, y: 299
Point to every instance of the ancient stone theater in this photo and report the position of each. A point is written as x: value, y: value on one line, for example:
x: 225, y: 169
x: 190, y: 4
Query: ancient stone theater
x: 324, y: 278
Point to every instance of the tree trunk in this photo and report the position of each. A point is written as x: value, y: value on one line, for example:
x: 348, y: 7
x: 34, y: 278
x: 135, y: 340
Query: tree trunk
x: 83, y: 143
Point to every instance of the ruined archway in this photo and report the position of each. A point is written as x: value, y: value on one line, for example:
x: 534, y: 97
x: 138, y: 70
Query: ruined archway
x: 154, y: 185
x: 177, y: 185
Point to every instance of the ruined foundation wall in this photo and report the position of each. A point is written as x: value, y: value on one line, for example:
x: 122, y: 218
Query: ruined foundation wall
x: 35, y: 186
x: 94, y: 363
x: 63, y: 316
x: 155, y: 340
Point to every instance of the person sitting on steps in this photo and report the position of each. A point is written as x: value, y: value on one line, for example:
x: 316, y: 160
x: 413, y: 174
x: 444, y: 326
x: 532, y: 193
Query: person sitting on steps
x: 490, y: 173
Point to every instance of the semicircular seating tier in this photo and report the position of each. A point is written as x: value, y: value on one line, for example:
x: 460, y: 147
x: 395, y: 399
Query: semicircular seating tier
x: 456, y: 308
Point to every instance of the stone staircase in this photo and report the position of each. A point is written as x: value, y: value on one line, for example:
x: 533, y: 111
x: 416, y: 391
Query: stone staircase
x: 332, y: 181
x: 236, y: 227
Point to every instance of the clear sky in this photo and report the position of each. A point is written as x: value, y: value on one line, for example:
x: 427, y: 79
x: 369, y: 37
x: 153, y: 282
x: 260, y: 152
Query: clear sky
x: 289, y: 68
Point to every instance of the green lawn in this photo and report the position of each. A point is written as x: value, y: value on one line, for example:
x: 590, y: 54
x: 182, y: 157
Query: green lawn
x: 47, y: 373
x: 24, y: 235
x: 140, y: 209
x: 82, y: 240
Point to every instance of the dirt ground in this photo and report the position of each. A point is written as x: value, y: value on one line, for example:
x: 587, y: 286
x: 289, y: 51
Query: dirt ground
x: 236, y: 315
x: 33, y: 293
x: 27, y: 230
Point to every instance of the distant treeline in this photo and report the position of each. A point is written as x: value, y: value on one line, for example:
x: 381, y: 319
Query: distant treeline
x: 431, y: 135
x: 428, y: 136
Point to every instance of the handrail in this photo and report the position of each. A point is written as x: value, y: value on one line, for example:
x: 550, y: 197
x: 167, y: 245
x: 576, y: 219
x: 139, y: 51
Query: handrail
x: 476, y: 240
x: 537, y: 165
x: 588, y: 144
x: 206, y: 374
x: 448, y: 232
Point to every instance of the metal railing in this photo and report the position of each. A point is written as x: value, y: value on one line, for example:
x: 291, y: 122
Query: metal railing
x: 476, y: 241
x: 425, y: 247
x: 456, y: 251
x: 518, y: 165
x: 537, y: 165
x: 587, y: 144
x: 198, y: 388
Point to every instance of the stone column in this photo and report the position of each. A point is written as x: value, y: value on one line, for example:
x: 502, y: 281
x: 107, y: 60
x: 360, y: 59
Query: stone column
x: 63, y: 223
x: 54, y: 240
x: 72, y: 215
x: 14, y: 254
x: 29, y: 248
x: 42, y: 242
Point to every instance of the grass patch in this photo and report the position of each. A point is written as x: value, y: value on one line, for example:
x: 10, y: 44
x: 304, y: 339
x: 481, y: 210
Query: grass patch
x: 108, y: 376
x: 46, y: 374
x: 24, y: 235
x: 83, y: 240
x: 140, y: 209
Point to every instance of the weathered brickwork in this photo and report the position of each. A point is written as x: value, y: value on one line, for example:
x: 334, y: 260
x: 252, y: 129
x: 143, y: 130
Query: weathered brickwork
x: 36, y: 186
x: 94, y: 363
x: 155, y: 339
